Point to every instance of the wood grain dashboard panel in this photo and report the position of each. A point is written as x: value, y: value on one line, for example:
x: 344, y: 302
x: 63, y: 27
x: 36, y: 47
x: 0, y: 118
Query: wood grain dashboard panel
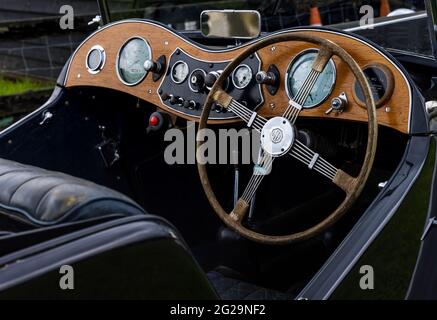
x: 394, y: 113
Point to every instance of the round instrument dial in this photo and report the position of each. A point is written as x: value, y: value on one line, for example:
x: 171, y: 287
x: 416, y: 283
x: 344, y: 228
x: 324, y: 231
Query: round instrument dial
x: 179, y: 72
x: 95, y: 59
x: 297, y: 73
x: 381, y: 81
x: 131, y: 58
x: 242, y: 76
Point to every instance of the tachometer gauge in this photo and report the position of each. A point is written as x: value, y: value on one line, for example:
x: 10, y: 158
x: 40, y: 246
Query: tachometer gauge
x: 130, y: 62
x: 179, y: 72
x: 242, y: 76
x: 298, y: 71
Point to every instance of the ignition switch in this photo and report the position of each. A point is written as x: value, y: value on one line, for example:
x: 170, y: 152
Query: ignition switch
x: 338, y: 104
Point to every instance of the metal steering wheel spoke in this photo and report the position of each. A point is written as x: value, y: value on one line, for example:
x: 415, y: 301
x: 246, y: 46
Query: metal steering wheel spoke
x: 260, y: 170
x: 296, y: 104
x: 315, y: 162
x: 252, y: 119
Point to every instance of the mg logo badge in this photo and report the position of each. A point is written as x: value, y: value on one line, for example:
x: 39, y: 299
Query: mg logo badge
x: 276, y: 135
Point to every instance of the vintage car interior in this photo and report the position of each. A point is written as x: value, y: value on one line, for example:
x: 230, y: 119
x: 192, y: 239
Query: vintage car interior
x: 334, y: 114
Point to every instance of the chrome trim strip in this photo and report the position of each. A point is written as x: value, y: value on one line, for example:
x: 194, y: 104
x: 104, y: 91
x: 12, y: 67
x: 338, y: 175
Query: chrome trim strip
x: 384, y: 23
x: 252, y: 119
x: 313, y: 161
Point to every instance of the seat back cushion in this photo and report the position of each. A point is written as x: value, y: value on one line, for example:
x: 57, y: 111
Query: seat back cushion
x: 43, y: 197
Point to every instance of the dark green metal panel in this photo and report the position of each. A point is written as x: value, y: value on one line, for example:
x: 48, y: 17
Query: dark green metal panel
x: 394, y: 252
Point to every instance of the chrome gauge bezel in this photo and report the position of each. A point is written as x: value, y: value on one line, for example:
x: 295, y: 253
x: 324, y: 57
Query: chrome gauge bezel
x: 102, y: 54
x: 117, y: 63
x: 172, y: 68
x: 233, y: 75
x: 294, y: 60
x: 191, y: 74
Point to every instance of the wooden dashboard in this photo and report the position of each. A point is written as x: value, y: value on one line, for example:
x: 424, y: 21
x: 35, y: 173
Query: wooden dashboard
x: 393, y: 111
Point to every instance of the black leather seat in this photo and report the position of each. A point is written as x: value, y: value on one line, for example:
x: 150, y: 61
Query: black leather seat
x: 43, y: 197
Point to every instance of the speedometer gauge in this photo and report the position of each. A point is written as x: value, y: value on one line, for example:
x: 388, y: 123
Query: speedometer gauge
x: 130, y: 62
x: 298, y: 71
x: 242, y: 76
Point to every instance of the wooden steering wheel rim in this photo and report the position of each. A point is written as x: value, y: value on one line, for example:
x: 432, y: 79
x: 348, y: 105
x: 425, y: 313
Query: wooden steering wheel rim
x: 352, y: 187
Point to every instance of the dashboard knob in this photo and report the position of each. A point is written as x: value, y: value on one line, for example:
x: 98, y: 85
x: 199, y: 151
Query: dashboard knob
x: 338, y: 104
x: 165, y: 96
x: 173, y: 99
x: 211, y: 78
x: 192, y: 105
x: 263, y: 77
x: 197, y: 80
x: 152, y: 66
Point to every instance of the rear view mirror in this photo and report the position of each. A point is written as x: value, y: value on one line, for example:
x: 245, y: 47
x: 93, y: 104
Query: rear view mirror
x: 241, y: 24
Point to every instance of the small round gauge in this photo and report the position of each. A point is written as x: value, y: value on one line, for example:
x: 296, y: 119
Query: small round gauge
x: 298, y: 71
x: 95, y: 59
x: 381, y: 81
x: 130, y: 62
x: 179, y: 72
x: 242, y: 76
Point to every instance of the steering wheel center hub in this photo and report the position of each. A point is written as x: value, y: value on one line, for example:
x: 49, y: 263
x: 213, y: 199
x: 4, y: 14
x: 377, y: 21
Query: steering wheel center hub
x: 277, y: 136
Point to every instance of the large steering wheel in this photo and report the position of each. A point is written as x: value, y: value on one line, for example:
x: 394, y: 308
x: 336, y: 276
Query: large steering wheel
x: 278, y: 138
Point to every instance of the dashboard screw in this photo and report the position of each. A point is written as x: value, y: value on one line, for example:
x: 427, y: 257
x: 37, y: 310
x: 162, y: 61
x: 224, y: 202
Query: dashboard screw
x: 387, y: 109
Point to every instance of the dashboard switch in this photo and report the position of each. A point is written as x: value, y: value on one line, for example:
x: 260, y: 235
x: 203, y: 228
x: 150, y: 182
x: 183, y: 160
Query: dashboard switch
x: 154, y: 120
x: 338, y: 104
x: 165, y: 96
x: 211, y: 78
x: 156, y: 67
x: 173, y: 99
x: 152, y: 66
x: 192, y: 105
x: 263, y: 77
x: 270, y: 79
